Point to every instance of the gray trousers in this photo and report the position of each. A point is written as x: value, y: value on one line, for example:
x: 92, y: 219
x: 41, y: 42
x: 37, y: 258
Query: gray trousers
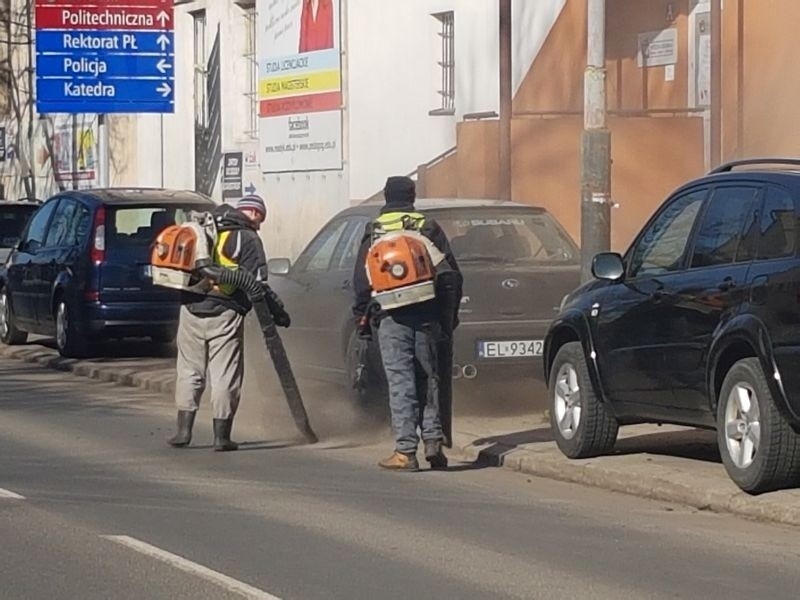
x: 210, y: 350
x: 409, y: 358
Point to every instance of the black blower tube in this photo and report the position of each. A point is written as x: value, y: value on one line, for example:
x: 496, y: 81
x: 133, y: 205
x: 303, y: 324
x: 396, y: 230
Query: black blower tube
x: 263, y: 298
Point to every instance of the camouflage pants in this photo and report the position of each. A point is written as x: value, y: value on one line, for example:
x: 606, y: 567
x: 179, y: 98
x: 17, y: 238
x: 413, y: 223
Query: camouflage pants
x: 409, y: 358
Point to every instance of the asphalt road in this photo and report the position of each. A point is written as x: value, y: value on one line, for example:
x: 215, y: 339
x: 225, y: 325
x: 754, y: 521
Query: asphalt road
x: 93, y: 504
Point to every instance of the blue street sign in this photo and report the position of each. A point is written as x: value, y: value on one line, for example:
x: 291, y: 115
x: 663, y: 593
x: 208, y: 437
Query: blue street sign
x: 105, y: 90
x: 104, y: 66
x: 94, y: 42
x: 99, y: 57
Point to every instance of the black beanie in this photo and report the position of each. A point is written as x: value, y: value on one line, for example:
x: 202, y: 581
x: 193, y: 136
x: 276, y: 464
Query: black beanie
x: 399, y: 191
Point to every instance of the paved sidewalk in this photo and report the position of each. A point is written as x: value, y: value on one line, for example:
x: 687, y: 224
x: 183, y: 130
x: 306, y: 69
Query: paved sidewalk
x: 674, y: 464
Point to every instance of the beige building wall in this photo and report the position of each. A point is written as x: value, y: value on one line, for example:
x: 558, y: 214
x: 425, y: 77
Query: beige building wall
x: 653, y: 152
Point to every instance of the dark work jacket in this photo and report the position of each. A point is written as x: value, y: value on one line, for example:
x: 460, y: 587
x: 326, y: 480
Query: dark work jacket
x: 244, y: 247
x: 429, y: 311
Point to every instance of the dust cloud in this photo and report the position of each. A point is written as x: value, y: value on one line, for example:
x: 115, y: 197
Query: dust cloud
x: 337, y: 421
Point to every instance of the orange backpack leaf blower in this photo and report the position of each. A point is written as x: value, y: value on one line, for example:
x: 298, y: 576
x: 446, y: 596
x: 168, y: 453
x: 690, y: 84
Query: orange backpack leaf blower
x: 401, y: 270
x: 182, y: 259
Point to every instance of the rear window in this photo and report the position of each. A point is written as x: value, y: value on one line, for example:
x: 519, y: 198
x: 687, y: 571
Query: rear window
x: 138, y: 226
x: 12, y: 223
x: 516, y: 237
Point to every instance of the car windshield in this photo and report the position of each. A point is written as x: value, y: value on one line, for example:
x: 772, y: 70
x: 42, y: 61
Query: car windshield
x: 12, y: 222
x: 509, y: 237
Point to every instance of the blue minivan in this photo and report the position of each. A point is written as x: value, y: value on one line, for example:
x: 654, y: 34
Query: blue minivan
x: 81, y: 270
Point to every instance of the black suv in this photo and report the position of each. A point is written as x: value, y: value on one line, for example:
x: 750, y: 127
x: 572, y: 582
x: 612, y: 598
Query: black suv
x: 698, y: 324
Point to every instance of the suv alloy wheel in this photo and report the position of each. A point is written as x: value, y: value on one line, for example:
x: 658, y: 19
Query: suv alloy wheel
x: 581, y: 423
x: 761, y: 452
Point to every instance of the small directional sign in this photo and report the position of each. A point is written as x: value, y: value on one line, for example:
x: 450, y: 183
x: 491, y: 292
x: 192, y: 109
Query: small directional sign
x: 105, y: 56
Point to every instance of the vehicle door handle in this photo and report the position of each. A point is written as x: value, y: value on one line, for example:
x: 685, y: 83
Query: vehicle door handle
x: 727, y: 285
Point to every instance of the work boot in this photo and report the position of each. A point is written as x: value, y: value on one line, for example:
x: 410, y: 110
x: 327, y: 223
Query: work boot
x: 222, y: 435
x: 399, y: 461
x: 435, y: 455
x: 184, y: 435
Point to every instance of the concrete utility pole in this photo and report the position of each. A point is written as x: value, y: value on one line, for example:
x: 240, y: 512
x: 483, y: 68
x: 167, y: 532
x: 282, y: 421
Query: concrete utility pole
x: 716, y: 84
x: 595, y: 146
x: 504, y: 170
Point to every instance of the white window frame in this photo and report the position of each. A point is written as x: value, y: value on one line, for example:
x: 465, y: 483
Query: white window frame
x: 250, y: 55
x: 446, y: 63
x: 200, y: 59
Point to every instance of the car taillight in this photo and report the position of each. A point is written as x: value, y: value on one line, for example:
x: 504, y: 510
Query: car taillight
x: 91, y: 295
x: 98, y: 252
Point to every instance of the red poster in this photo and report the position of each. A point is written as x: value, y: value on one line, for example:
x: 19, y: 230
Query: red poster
x: 316, y: 25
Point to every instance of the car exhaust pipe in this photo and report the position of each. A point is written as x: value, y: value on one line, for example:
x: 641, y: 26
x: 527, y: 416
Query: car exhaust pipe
x: 456, y: 371
x: 470, y: 371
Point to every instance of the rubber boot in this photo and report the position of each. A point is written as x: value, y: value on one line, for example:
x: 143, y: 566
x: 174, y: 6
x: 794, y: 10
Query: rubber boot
x: 184, y: 435
x: 222, y: 435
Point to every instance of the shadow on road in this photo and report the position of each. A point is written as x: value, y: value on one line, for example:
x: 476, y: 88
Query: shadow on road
x: 692, y: 444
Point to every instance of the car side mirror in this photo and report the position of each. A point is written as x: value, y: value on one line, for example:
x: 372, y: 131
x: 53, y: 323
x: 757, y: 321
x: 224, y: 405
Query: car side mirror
x: 608, y: 266
x: 279, y: 266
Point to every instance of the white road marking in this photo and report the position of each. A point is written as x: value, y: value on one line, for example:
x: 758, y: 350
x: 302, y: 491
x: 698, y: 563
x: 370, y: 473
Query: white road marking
x: 10, y: 495
x: 230, y: 584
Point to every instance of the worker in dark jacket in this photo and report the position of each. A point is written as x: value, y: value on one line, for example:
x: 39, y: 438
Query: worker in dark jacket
x: 408, y: 335
x: 211, y: 327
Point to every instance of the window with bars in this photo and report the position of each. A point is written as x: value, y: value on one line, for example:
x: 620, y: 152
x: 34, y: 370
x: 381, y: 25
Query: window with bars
x: 250, y: 55
x: 200, y: 69
x: 447, y: 64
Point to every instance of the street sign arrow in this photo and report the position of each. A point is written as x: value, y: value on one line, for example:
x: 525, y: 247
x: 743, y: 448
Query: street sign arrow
x: 163, y: 17
x: 163, y: 41
x: 163, y: 66
x: 165, y: 89
x: 250, y: 189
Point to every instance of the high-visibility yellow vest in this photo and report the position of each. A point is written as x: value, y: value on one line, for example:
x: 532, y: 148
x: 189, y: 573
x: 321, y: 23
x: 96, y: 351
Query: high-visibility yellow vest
x: 222, y: 260
x: 396, y: 221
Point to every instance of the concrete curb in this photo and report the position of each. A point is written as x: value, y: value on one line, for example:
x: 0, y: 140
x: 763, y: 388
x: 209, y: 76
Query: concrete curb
x: 655, y: 487
x: 608, y: 473
x: 128, y: 377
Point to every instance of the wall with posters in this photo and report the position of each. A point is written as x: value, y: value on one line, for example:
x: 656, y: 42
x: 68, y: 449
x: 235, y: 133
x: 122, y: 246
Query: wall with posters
x: 343, y: 95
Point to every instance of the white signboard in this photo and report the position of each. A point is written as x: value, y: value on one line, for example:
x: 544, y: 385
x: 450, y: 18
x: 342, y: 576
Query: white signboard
x: 658, y: 48
x: 300, y: 85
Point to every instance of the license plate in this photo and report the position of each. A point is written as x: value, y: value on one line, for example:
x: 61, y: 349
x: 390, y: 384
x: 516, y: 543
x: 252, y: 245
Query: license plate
x: 510, y: 349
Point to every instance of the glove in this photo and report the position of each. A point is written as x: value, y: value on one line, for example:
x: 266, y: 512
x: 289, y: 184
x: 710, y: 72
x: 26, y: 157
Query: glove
x: 364, y: 328
x: 276, y: 307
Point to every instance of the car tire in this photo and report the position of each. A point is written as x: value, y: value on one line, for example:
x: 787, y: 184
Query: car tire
x: 69, y: 342
x: 760, y: 450
x: 9, y: 334
x: 581, y: 422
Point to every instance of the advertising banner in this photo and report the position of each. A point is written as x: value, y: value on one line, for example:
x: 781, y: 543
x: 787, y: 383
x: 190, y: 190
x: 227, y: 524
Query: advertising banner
x: 300, y: 85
